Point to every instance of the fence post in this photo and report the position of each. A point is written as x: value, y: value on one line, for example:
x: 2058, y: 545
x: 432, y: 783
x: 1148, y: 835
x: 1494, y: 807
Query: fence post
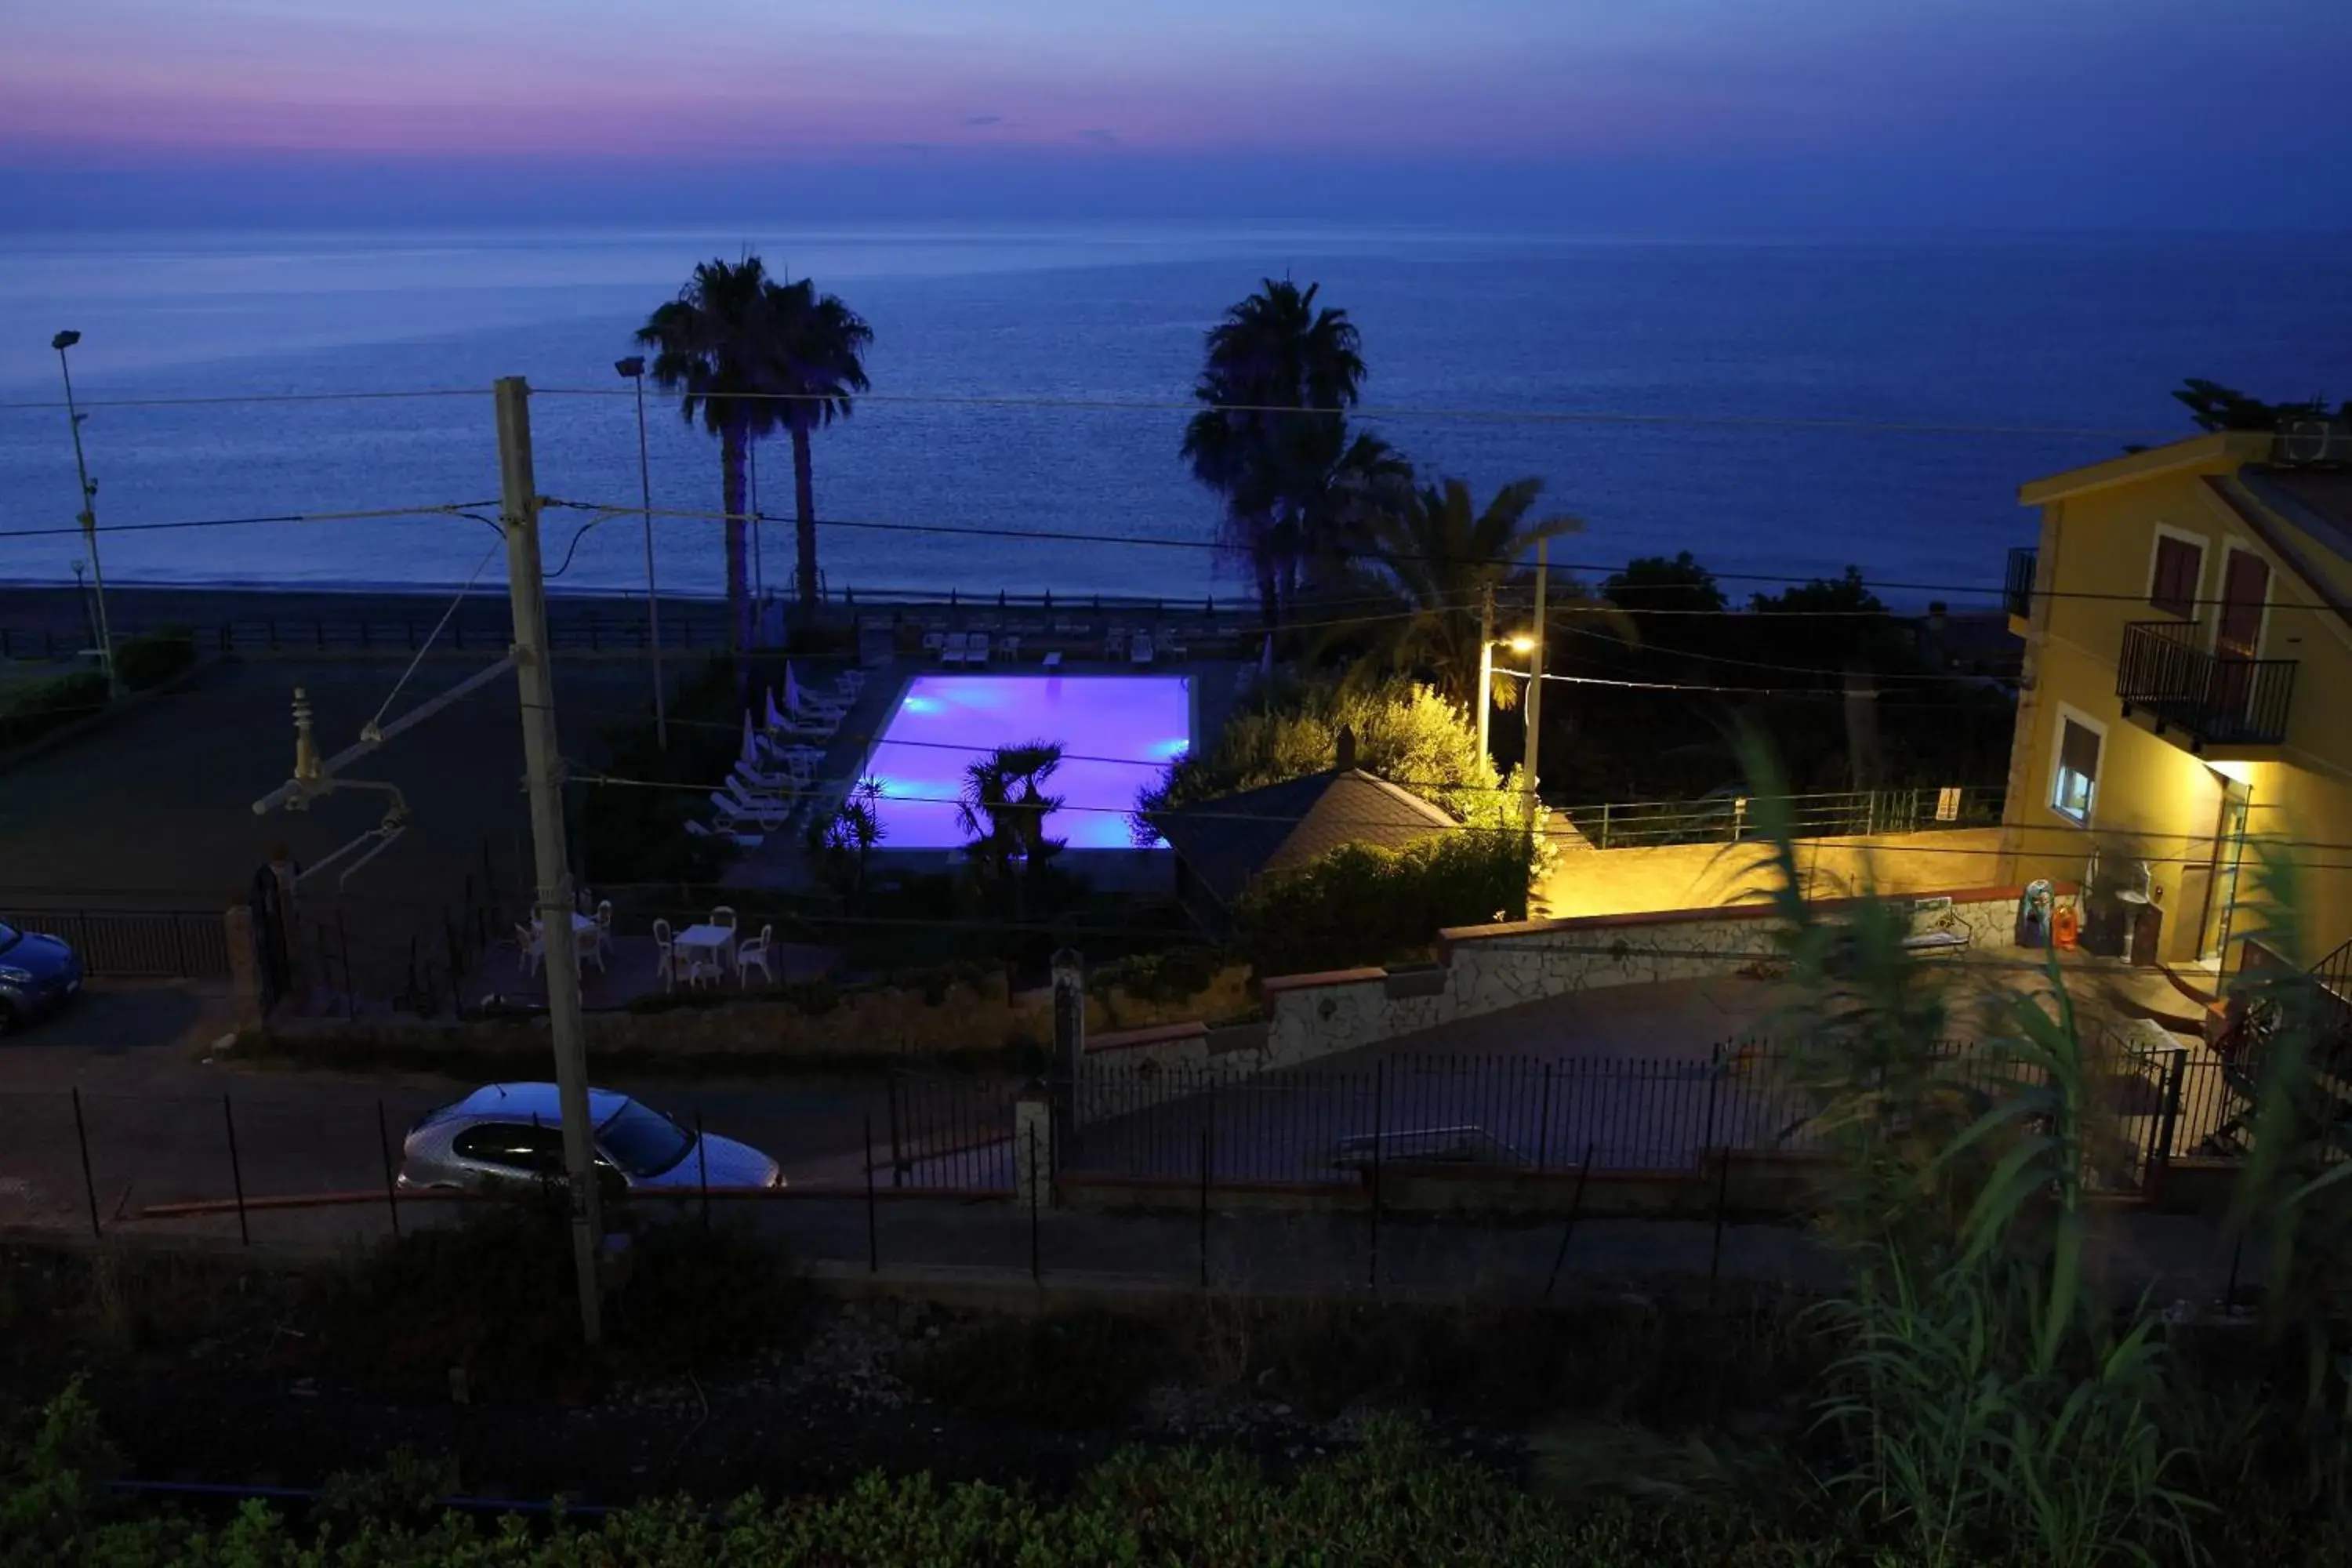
x: 1036, y: 1269
x: 1204, y: 1208
x: 2160, y: 1158
x: 1575, y: 1209
x: 89, y: 1187
x: 390, y: 1183
x: 1722, y: 1197
x: 1380, y: 1096
x: 1543, y: 1123
x: 897, y: 1159
x: 873, y: 1233
x: 1604, y: 825
x: 236, y: 1172
x: 702, y: 1165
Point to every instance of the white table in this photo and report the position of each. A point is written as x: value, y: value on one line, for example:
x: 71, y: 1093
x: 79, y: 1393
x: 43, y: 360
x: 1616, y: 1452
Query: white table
x: 586, y: 939
x: 581, y: 924
x: 718, y: 942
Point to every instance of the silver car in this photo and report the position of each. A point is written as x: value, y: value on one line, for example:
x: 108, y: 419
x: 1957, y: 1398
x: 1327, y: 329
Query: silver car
x: 510, y: 1135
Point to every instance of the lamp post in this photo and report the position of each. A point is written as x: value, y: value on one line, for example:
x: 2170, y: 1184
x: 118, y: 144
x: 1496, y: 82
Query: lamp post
x: 89, y: 518
x: 634, y: 369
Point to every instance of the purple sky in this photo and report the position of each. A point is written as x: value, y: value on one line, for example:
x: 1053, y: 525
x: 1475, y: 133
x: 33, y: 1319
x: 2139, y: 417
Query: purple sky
x: 2170, y: 113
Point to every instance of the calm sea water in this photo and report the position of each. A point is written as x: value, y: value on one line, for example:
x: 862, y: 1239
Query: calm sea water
x: 1750, y: 379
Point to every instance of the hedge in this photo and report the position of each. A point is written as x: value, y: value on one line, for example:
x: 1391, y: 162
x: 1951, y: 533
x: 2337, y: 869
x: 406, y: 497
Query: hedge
x: 1360, y: 904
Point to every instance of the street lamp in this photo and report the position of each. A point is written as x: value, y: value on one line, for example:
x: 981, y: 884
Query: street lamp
x: 1519, y: 644
x: 89, y: 518
x: 633, y: 369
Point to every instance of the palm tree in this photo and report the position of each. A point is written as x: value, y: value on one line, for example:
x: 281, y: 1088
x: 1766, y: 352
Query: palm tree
x: 823, y: 342
x: 1436, y: 558
x: 1274, y: 351
x: 750, y: 356
x: 1003, y: 807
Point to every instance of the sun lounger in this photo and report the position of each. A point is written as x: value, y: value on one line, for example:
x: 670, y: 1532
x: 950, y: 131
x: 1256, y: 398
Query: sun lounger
x: 934, y: 641
x: 1170, y: 644
x: 1141, y: 650
x: 958, y: 649
x: 977, y: 652
x: 732, y: 812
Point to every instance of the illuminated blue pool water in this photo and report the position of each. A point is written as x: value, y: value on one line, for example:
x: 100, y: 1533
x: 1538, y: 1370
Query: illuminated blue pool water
x: 1117, y: 732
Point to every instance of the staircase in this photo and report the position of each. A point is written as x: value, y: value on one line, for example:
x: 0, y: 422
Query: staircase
x: 2242, y: 1050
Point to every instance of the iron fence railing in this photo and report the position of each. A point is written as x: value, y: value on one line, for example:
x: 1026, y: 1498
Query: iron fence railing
x: 165, y: 944
x: 1725, y: 819
x: 2213, y: 700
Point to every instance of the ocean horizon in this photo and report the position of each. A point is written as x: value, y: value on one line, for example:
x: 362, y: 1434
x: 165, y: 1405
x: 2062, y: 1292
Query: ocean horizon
x: 1782, y: 410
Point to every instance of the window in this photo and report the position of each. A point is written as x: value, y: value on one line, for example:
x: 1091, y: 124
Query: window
x: 644, y: 1141
x: 2172, y: 585
x: 2076, y: 779
x: 536, y: 1150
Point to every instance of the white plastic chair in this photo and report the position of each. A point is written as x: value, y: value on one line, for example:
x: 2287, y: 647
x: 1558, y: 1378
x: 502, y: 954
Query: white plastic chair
x: 666, y: 951
x: 957, y: 646
x: 1139, y: 651
x: 753, y: 955
x: 532, y: 946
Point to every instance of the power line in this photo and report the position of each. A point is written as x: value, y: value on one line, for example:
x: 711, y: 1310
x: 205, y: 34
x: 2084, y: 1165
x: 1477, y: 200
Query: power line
x: 450, y: 509
x: 1411, y: 411
x: 243, y: 398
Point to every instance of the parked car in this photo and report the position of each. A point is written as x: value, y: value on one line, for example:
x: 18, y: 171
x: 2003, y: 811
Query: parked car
x: 38, y: 975
x: 508, y: 1135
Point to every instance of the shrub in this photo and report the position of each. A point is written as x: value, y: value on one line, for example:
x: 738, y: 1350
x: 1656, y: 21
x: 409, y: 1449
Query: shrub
x: 152, y: 658
x: 1080, y: 1371
x: 48, y: 706
x: 1360, y: 904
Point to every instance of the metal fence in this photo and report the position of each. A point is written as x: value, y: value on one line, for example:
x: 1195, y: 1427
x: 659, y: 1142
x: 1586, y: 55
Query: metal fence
x: 1311, y: 1125
x: 1727, y: 819
x: 168, y: 944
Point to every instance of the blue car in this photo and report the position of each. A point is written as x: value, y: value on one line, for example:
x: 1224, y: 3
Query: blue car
x: 38, y: 975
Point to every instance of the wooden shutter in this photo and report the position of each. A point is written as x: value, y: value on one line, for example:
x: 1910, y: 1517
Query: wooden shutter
x: 2178, y: 564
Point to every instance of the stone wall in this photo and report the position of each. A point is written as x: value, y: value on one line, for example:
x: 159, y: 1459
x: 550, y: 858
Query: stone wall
x: 1488, y: 968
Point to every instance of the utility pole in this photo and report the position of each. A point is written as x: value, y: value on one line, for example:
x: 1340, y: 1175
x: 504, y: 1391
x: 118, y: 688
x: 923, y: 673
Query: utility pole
x: 543, y: 763
x: 1535, y: 687
x: 1485, y: 664
x: 89, y: 518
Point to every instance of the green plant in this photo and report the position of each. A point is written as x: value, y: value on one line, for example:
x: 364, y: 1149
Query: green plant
x: 46, y: 706
x: 1083, y: 1370
x: 1360, y: 904
x: 1990, y: 1400
x: 843, y: 845
x: 153, y: 657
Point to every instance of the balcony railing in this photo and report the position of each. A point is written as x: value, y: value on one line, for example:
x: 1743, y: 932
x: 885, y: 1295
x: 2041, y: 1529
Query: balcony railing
x: 2017, y: 589
x: 2212, y: 700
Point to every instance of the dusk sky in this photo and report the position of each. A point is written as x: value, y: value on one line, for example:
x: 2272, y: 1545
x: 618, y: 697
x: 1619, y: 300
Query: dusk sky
x: 1695, y: 113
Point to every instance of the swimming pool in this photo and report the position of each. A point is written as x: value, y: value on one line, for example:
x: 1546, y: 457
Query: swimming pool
x: 1118, y: 732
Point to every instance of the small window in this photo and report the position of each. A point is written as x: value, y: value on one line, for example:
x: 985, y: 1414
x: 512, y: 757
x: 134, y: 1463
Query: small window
x: 2077, y: 778
x: 2180, y: 563
x: 536, y: 1150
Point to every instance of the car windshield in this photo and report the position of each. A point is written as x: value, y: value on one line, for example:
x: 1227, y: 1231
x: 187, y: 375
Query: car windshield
x: 8, y: 936
x: 643, y: 1142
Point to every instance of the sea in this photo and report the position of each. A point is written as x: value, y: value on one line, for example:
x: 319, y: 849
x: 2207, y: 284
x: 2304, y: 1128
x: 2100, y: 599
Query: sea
x: 1781, y: 411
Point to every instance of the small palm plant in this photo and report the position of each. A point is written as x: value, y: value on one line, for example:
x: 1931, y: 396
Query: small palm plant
x: 1003, y: 807
x: 843, y: 845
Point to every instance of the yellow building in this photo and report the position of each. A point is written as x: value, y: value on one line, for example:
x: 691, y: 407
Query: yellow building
x: 2188, y: 619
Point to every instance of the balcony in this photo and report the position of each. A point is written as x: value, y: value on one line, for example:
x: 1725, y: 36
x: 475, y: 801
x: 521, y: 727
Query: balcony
x: 2017, y: 590
x: 2232, y: 703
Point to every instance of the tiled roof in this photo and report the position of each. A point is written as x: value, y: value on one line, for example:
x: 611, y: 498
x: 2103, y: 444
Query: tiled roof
x: 1229, y: 840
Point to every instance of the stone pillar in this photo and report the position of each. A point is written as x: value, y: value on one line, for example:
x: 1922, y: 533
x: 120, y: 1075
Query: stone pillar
x: 244, y: 966
x: 1033, y: 1148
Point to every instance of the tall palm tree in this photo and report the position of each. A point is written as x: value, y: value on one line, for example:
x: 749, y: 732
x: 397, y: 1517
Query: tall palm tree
x: 1434, y: 558
x: 822, y: 343
x: 1274, y: 351
x: 750, y: 356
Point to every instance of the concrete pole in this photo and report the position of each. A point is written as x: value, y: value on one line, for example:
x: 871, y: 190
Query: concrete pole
x: 89, y: 518
x: 1485, y: 668
x: 653, y: 596
x: 1535, y: 687
x: 543, y: 762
